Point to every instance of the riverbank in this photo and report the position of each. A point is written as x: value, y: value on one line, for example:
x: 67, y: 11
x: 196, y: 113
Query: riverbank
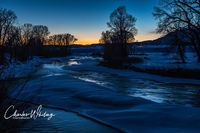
x: 175, y: 71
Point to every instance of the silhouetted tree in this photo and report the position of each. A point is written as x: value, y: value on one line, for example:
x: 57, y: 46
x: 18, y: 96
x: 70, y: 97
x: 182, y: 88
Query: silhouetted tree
x: 62, y: 39
x: 178, y: 44
x: 7, y: 19
x: 40, y: 32
x: 52, y: 40
x: 62, y: 42
x: 122, y: 31
x: 180, y: 15
x: 68, y: 39
x: 27, y: 31
x: 106, y: 37
x: 122, y: 25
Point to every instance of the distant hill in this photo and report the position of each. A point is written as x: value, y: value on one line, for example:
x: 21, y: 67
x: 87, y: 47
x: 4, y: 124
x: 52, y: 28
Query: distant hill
x: 166, y: 39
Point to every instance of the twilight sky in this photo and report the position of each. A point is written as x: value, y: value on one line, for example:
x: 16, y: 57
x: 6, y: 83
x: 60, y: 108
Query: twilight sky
x: 85, y: 19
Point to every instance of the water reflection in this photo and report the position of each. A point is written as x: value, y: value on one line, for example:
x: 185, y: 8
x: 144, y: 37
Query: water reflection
x: 72, y: 63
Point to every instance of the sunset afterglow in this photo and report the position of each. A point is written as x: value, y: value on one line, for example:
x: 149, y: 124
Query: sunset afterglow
x: 100, y: 66
x: 83, y: 18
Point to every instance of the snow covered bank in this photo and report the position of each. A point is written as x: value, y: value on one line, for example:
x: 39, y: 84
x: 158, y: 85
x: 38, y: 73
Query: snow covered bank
x: 129, y: 114
x: 157, y: 60
x: 18, y: 69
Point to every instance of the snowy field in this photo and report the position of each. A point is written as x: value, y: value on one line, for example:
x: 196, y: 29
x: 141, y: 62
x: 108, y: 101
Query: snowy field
x: 156, y: 57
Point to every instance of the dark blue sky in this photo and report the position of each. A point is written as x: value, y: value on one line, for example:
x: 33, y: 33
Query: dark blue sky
x: 86, y: 19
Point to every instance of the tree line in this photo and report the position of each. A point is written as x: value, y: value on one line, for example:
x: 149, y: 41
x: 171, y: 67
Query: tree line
x: 62, y: 39
x: 180, y: 18
x: 25, y: 41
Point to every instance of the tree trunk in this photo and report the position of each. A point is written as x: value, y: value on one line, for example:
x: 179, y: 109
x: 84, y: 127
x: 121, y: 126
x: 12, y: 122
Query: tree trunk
x: 196, y: 44
x: 181, y: 53
x: 197, y: 50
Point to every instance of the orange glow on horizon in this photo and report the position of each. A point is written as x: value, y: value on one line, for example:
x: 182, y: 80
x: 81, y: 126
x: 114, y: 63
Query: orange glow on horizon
x: 86, y: 42
x: 138, y: 39
x: 146, y: 37
x: 88, y: 39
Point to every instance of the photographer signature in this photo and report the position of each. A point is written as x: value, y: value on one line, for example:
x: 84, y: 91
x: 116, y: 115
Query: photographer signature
x: 33, y: 114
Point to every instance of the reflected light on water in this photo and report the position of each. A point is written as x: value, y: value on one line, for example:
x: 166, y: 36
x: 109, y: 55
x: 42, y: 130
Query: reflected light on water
x: 52, y: 66
x: 72, y: 63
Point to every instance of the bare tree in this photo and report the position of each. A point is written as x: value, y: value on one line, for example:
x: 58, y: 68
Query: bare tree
x: 62, y: 39
x: 7, y: 19
x: 180, y: 15
x: 122, y: 31
x: 122, y: 25
x: 69, y: 39
x: 40, y: 33
x: 15, y: 36
x: 27, y: 31
x: 52, y: 40
x: 106, y: 37
x: 59, y: 39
